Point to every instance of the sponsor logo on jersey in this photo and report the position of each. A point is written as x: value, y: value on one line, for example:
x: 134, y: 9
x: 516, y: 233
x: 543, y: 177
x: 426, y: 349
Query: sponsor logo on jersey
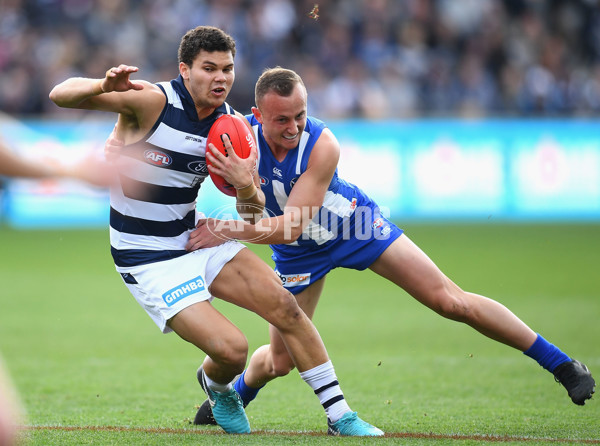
x: 277, y: 172
x: 193, y: 138
x: 198, y: 167
x: 196, y: 181
x: 183, y: 290
x: 292, y: 280
x: 264, y: 181
x: 157, y: 158
x: 380, y: 224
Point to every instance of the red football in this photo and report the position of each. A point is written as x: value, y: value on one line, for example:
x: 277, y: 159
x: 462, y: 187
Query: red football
x: 241, y: 139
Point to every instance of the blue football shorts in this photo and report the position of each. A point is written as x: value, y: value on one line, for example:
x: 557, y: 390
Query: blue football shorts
x: 298, y: 267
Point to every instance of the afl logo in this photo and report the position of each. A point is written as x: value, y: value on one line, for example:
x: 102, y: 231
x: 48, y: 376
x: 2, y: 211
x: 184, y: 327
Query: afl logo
x: 293, y: 181
x: 264, y: 181
x: 157, y: 158
x: 198, y: 167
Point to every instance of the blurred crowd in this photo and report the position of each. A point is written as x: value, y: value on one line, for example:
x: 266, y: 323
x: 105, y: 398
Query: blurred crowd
x: 373, y: 59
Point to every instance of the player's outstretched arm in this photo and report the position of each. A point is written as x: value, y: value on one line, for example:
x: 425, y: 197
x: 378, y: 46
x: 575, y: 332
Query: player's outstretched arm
x: 95, y: 94
x: 91, y: 169
x: 13, y: 165
x: 138, y: 103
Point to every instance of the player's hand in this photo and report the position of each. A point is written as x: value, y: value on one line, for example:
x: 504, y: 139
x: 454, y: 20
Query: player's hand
x: 117, y: 79
x: 92, y: 169
x: 205, y: 235
x: 238, y: 172
x: 120, y: 165
x: 113, y: 146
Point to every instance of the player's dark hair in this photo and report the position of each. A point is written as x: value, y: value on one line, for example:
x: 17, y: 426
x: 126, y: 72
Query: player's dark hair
x: 204, y: 38
x: 280, y: 80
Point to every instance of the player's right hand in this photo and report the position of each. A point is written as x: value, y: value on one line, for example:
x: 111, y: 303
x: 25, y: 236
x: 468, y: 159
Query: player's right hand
x: 117, y: 79
x: 206, y: 234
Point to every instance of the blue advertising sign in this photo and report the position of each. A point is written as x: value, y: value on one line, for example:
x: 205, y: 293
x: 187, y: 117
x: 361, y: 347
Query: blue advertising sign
x: 426, y: 170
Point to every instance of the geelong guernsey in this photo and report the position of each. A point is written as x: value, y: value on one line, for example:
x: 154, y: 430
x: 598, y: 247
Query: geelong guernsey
x: 154, y: 209
x: 278, y: 178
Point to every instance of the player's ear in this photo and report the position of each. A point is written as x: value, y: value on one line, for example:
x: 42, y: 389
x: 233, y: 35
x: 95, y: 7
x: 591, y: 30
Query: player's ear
x: 257, y: 114
x: 184, y: 70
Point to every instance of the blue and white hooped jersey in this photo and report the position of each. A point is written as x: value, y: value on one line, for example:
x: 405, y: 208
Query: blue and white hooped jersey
x: 337, y: 215
x: 154, y: 210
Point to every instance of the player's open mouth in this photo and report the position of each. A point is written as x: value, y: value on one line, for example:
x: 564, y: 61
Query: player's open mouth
x: 290, y: 137
x: 219, y: 91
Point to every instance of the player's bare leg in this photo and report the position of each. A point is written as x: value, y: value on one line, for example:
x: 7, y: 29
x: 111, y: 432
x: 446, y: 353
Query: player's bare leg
x: 205, y: 327
x: 407, y: 266
x: 404, y: 264
x: 248, y: 282
x: 273, y: 360
x: 268, y: 361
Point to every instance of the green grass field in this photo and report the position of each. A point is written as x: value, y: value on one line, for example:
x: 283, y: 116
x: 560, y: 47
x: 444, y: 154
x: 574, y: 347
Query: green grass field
x: 92, y: 368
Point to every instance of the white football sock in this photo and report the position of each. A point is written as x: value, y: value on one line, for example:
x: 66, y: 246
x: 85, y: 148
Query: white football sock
x: 324, y: 382
x: 221, y: 388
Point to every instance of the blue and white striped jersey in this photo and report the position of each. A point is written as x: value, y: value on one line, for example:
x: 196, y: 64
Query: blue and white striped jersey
x: 154, y: 210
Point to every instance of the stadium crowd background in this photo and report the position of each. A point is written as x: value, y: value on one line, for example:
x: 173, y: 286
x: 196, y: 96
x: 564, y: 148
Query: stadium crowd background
x: 369, y: 59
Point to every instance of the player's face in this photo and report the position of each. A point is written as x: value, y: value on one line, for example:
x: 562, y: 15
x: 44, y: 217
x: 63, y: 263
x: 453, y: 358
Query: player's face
x: 209, y: 80
x: 283, y: 118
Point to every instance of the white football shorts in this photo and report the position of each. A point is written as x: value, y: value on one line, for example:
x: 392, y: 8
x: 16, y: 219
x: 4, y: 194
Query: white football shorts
x: 165, y: 288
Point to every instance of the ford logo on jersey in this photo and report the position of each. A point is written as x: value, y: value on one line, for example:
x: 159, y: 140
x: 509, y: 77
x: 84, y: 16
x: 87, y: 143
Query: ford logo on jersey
x: 188, y: 288
x: 157, y: 158
x: 198, y: 167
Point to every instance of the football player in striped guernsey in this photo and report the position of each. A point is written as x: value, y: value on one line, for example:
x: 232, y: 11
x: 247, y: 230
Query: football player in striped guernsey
x: 153, y: 212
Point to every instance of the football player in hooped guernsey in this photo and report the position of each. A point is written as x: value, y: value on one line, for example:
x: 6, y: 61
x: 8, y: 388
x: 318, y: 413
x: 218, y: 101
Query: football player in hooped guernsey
x: 319, y: 222
x: 164, y: 127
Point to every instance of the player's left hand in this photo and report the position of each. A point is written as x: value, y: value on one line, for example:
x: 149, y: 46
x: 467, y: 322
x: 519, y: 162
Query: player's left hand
x: 92, y: 169
x: 238, y: 172
x: 113, y: 146
x: 206, y: 234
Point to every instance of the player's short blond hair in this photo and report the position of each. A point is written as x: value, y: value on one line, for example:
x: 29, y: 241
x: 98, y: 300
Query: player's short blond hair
x: 280, y: 80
